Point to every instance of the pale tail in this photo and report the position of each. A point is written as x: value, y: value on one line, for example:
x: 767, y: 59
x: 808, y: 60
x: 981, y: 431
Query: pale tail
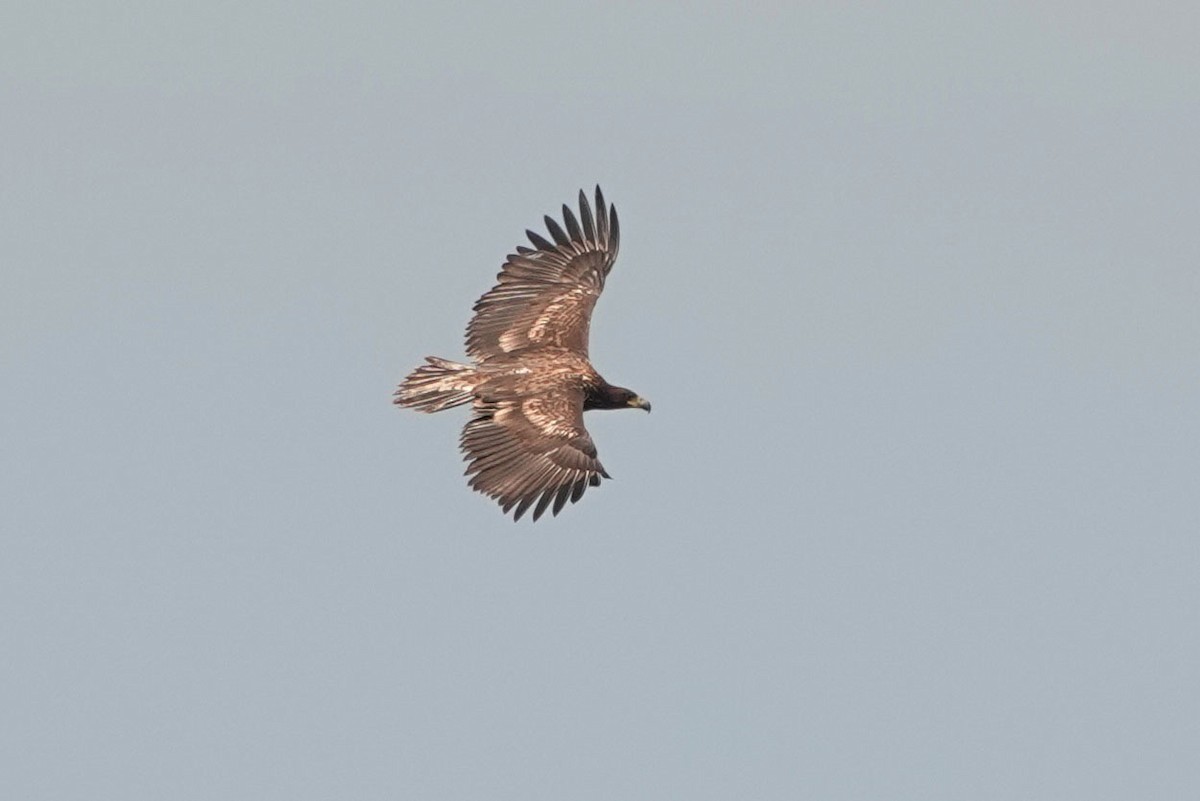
x: 437, y: 385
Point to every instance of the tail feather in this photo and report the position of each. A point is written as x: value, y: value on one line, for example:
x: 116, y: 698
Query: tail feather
x: 438, y: 385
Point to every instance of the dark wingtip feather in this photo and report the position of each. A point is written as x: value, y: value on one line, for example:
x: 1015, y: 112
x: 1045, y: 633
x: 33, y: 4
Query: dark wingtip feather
x: 523, y: 506
x: 572, y: 224
x: 547, y: 496
x: 556, y: 231
x: 560, y: 497
x: 585, y: 215
x: 601, y: 219
x: 538, y: 240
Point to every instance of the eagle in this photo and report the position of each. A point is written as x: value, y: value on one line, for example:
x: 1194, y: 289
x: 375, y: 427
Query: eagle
x: 530, y: 380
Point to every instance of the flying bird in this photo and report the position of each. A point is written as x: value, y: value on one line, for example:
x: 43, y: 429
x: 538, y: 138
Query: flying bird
x: 530, y: 381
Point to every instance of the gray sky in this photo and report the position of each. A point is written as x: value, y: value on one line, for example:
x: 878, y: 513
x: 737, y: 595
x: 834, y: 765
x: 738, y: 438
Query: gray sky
x: 914, y: 294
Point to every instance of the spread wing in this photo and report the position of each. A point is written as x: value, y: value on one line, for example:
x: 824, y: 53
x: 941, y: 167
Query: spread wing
x: 545, y: 296
x: 532, y: 449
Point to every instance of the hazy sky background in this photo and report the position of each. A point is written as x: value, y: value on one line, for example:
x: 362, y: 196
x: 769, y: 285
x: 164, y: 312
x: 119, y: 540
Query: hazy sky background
x: 914, y: 290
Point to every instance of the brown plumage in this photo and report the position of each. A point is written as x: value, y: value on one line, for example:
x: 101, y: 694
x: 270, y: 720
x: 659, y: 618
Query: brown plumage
x: 530, y: 381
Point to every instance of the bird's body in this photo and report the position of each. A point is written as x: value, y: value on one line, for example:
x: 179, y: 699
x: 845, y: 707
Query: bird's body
x: 531, y: 379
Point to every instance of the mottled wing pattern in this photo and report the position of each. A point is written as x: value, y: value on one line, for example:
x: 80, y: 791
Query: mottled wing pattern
x: 532, y: 450
x: 545, y: 296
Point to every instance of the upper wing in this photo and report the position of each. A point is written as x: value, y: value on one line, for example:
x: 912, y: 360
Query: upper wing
x: 545, y: 296
x: 532, y: 449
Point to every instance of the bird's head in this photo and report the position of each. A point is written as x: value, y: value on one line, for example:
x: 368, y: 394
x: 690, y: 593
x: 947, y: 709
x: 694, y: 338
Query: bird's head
x: 627, y: 398
x: 638, y: 402
x: 610, y: 397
